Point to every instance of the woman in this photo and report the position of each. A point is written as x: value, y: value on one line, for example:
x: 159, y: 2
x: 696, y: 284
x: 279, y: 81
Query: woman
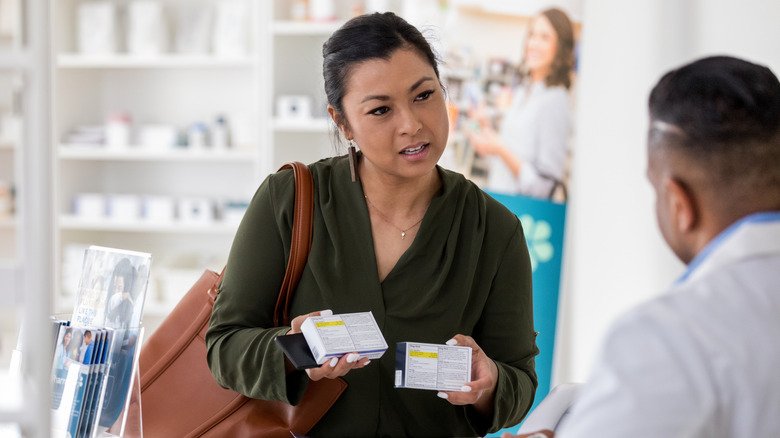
x: 529, y: 155
x: 421, y: 247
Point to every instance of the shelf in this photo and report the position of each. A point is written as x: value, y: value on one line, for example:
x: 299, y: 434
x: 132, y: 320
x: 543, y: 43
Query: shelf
x: 137, y: 153
x: 75, y: 60
x: 305, y: 28
x: 68, y: 222
x: 312, y: 125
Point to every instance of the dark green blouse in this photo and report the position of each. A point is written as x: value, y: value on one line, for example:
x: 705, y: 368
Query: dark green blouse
x: 467, y: 272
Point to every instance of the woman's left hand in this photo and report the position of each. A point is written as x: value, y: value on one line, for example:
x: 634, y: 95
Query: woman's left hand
x: 479, y: 392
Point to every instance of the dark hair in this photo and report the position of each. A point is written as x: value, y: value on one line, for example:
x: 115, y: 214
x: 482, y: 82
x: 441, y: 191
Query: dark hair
x: 367, y: 37
x: 726, y: 116
x: 125, y: 270
x: 563, y: 61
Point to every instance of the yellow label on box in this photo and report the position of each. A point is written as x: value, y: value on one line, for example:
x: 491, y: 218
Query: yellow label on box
x: 329, y: 323
x: 424, y: 354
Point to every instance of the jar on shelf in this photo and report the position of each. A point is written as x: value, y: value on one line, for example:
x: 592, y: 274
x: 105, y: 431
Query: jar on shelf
x: 118, y: 130
x: 197, y: 136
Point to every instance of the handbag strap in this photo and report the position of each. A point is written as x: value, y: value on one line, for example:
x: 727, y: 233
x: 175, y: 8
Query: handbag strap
x: 301, y: 240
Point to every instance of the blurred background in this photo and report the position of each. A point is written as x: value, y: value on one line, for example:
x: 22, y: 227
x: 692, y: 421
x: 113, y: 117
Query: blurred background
x: 149, y: 124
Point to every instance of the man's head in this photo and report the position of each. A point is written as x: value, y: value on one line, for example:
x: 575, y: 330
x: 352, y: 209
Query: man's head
x: 713, y: 148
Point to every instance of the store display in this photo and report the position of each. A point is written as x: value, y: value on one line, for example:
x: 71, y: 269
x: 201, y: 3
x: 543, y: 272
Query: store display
x: 95, y: 354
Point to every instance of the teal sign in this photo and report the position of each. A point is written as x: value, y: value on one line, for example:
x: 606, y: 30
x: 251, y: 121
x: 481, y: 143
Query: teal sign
x: 543, y: 224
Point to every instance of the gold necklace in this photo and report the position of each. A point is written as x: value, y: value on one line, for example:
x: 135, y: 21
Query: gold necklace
x: 384, y: 218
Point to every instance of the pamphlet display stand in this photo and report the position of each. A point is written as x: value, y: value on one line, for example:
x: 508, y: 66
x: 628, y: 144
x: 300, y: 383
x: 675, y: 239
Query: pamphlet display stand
x: 130, y: 423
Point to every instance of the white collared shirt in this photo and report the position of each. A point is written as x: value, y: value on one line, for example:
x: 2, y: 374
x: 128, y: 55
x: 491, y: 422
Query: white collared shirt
x: 701, y: 361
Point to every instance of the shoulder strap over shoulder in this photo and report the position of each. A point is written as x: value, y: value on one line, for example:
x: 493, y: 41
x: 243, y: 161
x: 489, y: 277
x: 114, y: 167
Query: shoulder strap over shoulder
x: 301, y: 240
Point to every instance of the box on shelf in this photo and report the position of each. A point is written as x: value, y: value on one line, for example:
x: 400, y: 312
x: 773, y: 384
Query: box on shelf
x: 124, y: 208
x: 97, y: 28
x: 337, y: 335
x: 158, y: 209
x: 157, y: 136
x: 196, y: 211
x: 89, y: 206
x: 432, y: 366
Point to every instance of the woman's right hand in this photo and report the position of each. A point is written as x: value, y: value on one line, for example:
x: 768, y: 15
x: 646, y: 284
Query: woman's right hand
x: 336, y: 367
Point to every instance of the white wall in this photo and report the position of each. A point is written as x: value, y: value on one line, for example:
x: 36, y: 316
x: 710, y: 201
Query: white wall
x: 615, y: 256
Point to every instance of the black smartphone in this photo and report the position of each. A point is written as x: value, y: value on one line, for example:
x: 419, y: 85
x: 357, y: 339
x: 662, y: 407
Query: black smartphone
x: 297, y: 351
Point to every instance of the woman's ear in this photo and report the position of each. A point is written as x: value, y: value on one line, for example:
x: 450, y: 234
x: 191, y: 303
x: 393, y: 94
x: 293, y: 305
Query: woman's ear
x: 339, y: 121
x: 683, y: 206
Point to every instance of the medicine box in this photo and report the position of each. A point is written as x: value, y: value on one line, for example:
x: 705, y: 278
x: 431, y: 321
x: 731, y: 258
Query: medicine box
x: 337, y: 335
x: 432, y: 366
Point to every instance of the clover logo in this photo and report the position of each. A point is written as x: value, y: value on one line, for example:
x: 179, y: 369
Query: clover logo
x: 537, y: 236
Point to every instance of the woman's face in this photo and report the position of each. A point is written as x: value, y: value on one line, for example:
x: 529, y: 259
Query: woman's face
x: 396, y: 114
x: 541, y: 46
x: 66, y: 339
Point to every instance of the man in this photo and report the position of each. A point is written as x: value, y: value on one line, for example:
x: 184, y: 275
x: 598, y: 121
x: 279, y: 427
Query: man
x: 703, y: 360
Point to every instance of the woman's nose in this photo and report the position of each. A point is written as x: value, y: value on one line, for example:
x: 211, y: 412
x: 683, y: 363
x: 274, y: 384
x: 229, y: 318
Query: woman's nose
x: 411, y: 123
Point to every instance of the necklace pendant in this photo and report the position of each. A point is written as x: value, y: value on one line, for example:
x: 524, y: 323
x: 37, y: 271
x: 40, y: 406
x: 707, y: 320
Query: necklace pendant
x: 403, y: 234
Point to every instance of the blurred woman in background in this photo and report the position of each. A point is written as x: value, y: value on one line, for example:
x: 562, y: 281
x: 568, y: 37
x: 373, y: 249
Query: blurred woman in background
x: 528, y: 154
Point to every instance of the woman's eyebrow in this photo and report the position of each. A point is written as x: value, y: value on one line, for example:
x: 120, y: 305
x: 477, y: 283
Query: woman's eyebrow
x: 383, y: 97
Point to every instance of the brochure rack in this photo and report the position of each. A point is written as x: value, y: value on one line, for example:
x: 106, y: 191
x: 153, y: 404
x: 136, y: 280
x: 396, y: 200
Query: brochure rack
x: 130, y: 423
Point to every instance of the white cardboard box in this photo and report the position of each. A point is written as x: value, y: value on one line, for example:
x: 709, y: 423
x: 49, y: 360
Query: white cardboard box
x: 432, y: 366
x: 337, y: 335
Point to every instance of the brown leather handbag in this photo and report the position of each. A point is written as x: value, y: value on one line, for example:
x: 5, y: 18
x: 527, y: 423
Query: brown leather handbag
x: 179, y: 396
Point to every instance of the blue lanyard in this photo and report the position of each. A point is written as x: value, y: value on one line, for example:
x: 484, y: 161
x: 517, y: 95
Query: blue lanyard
x: 756, y: 218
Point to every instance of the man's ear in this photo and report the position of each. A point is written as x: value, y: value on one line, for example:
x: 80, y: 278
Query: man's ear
x: 683, y: 205
x: 339, y: 121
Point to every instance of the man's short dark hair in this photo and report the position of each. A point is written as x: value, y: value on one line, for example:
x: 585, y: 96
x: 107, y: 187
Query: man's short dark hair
x: 725, y: 115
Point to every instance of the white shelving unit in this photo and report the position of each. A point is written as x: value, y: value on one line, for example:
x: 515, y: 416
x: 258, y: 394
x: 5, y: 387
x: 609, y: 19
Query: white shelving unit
x: 178, y: 89
x: 167, y: 89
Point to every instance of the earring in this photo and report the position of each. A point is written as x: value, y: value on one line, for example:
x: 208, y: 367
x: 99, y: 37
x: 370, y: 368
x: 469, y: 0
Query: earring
x: 352, y: 160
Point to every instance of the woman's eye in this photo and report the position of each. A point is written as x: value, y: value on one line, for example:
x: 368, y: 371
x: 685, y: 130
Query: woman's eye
x: 424, y: 95
x: 379, y: 111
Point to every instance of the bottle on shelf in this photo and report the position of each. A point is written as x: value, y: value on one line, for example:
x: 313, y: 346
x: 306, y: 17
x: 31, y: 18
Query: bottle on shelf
x: 220, y: 134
